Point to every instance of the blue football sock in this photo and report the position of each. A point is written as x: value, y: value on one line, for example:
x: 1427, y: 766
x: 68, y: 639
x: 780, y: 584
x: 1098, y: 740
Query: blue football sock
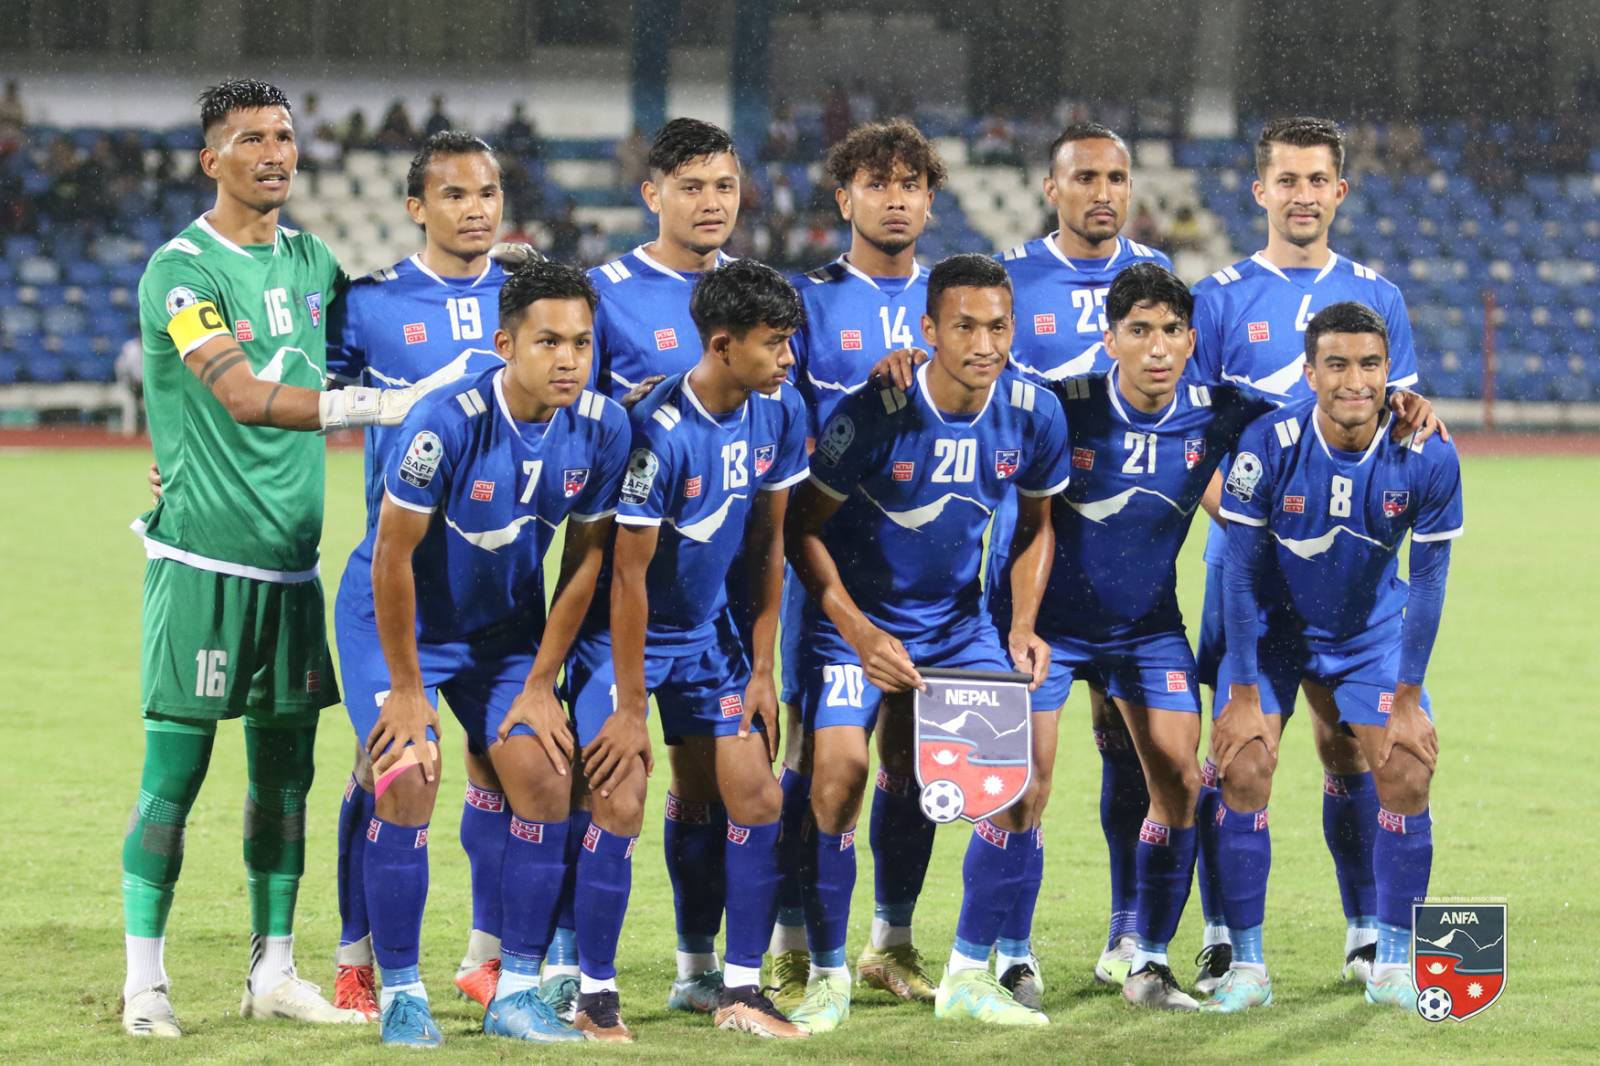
x: 605, y: 876
x: 991, y: 876
x: 564, y: 944
x: 396, y: 869
x: 1403, y: 859
x: 1244, y: 852
x: 355, y: 812
x: 1018, y: 924
x: 1166, y: 869
x: 1123, y: 802
x: 484, y: 817
x: 1350, y: 826
x: 830, y: 879
x: 902, y: 843
x: 1247, y: 946
x: 693, y: 838
x: 1206, y: 864
x: 752, y: 878
x: 791, y: 845
x: 530, y: 881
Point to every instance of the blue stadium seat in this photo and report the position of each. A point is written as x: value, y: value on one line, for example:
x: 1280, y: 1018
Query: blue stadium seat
x: 46, y: 368
x: 10, y: 368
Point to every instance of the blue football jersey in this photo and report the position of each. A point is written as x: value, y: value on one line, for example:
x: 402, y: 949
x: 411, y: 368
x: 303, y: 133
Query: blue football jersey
x: 1338, y: 518
x: 1136, y: 481
x: 1060, y: 304
x: 919, y: 488
x: 499, y: 489
x: 642, y: 325
x: 403, y: 324
x: 695, y: 474
x: 852, y: 321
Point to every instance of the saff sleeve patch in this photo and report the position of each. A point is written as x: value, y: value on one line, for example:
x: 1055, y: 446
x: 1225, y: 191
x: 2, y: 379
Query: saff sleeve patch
x: 421, y: 461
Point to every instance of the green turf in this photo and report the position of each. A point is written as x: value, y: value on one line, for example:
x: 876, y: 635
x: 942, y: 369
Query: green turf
x: 1514, y: 806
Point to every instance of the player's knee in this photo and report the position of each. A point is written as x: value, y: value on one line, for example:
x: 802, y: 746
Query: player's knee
x: 622, y: 812
x: 1248, y: 783
x: 1403, y: 783
x: 759, y: 804
x: 408, y: 799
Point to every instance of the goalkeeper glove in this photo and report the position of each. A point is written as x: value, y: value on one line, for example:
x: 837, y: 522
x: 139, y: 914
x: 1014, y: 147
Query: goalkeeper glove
x: 513, y: 254
x: 359, y: 405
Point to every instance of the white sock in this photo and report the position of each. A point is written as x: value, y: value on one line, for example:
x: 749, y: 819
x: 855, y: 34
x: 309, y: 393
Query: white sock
x: 1002, y: 963
x: 693, y: 964
x: 1381, y: 970
x: 273, y: 964
x: 590, y: 985
x: 1357, y: 935
x: 1141, y: 957
x: 511, y: 983
x: 481, y: 947
x: 885, y: 935
x: 959, y: 962
x: 1216, y: 934
x: 740, y: 976
x: 552, y: 970
x: 356, y: 953
x: 1254, y: 967
x: 840, y: 972
x: 146, y: 968
x: 413, y: 988
x: 788, y: 938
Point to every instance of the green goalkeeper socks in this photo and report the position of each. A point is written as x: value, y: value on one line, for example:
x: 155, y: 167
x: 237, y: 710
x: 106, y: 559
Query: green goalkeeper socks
x: 152, y: 853
x: 281, y: 768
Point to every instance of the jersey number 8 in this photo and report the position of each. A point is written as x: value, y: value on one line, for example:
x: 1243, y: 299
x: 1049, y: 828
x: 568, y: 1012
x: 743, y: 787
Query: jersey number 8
x: 1339, y: 502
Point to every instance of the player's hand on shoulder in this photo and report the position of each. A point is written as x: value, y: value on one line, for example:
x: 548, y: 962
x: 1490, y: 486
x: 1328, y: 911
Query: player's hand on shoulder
x: 1240, y: 722
x: 761, y: 701
x: 611, y: 755
x: 1409, y: 728
x: 537, y: 708
x: 641, y: 390
x: 513, y: 254
x: 153, y: 479
x: 1030, y: 654
x: 885, y: 661
x: 1413, y: 413
x: 403, y: 722
x: 897, y: 368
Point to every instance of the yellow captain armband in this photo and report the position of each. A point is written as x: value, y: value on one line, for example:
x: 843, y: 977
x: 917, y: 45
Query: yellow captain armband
x: 194, y: 325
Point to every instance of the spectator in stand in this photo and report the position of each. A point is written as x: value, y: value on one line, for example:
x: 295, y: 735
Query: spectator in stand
x: 519, y: 136
x: 128, y: 167
x: 564, y: 234
x: 437, y: 121
x: 1185, y: 234
x: 322, y: 149
x: 632, y: 156
x: 524, y: 194
x: 837, y: 118
x: 1145, y: 228
x: 996, y: 143
x: 397, y: 133
x: 1404, y: 151
x: 593, y: 248
x: 356, y: 133
x: 782, y: 200
x: 783, y: 136
x: 12, y: 117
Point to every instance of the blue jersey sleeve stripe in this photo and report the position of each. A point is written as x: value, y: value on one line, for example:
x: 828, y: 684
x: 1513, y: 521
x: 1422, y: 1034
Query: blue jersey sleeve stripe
x: 637, y: 520
x: 1242, y: 519
x: 793, y: 479
x: 584, y: 518
x: 417, y: 507
x: 1403, y: 383
x: 1429, y: 538
x: 825, y: 488
x: 1051, y: 491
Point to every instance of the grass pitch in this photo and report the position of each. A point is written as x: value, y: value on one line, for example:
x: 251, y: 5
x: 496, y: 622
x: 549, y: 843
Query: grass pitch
x: 1515, y: 809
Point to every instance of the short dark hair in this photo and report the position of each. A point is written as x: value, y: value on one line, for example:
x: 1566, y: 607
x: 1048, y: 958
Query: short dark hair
x: 684, y: 140
x: 237, y: 94
x: 1147, y: 283
x: 968, y: 270
x: 741, y: 295
x: 876, y: 146
x: 1300, y: 131
x: 1347, y: 316
x: 1083, y: 131
x: 445, y: 142
x: 543, y: 279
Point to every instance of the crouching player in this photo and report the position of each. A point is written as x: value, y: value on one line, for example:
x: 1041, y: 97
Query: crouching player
x: 887, y: 537
x: 1144, y: 448
x: 1318, y: 500
x: 715, y: 450
x: 489, y: 468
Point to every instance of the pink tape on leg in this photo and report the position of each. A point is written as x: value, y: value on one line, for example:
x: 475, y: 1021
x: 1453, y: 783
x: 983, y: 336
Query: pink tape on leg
x: 406, y: 761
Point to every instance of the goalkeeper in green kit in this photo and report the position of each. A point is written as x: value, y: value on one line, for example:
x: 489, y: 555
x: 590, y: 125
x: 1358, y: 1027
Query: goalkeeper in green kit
x: 233, y: 315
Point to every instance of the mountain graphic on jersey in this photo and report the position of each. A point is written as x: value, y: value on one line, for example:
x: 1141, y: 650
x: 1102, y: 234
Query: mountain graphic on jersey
x: 1458, y: 953
x: 974, y: 739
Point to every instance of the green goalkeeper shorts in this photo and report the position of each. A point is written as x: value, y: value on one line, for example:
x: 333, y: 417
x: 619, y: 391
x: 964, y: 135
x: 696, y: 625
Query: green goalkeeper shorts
x: 219, y: 646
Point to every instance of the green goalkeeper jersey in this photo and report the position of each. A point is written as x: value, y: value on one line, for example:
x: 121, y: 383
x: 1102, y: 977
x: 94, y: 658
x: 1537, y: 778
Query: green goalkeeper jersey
x: 243, y: 500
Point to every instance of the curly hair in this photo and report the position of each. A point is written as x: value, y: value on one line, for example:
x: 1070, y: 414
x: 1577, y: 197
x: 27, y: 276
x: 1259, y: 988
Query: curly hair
x: 876, y: 146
